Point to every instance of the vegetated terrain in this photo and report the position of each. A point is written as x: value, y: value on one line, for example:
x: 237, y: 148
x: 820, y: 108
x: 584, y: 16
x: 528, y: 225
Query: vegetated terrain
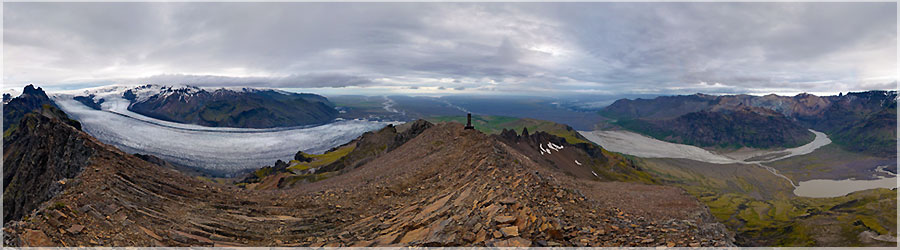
x: 742, y: 127
x: 762, y: 210
x: 408, y: 108
x: 493, y: 124
x: 445, y: 187
x: 245, y: 108
x: 541, y: 108
x: 833, y: 162
x: 392, y: 108
x: 875, y: 134
x: 591, y: 160
x: 419, y: 184
x: 859, y: 121
x: 306, y: 168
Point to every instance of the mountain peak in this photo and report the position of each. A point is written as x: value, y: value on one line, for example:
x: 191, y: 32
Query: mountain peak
x: 38, y: 92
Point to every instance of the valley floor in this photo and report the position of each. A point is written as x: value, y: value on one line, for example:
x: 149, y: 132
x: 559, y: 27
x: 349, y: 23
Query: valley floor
x: 763, y: 208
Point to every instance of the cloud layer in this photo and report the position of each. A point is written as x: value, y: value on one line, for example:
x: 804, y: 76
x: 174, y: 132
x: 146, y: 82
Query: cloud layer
x: 543, y: 48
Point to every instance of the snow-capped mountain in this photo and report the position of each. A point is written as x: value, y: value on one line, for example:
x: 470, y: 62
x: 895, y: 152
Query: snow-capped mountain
x: 213, y: 107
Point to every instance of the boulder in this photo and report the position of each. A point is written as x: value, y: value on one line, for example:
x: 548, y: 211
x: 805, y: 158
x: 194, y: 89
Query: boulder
x: 36, y: 238
x: 75, y: 229
x: 510, y: 231
x: 504, y: 219
x: 300, y: 156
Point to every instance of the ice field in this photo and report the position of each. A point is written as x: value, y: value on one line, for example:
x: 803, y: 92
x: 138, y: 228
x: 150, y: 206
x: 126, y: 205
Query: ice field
x: 220, y: 150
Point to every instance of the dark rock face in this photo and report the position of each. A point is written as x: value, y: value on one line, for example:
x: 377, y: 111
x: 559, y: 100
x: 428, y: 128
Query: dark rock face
x: 509, y: 134
x: 155, y: 160
x: 89, y: 101
x: 249, y: 108
x: 32, y: 100
x: 414, y: 130
x: 39, y: 157
x: 301, y: 157
x: 279, y: 167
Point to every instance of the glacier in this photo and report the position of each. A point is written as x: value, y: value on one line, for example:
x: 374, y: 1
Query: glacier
x: 216, y: 150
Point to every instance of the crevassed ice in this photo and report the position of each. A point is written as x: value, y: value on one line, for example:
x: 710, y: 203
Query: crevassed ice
x: 219, y: 149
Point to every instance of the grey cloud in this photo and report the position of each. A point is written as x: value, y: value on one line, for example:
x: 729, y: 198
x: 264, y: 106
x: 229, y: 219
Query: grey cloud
x: 538, y: 47
x: 291, y: 81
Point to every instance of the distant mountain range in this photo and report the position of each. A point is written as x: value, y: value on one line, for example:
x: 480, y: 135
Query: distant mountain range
x: 859, y: 121
x: 242, y: 108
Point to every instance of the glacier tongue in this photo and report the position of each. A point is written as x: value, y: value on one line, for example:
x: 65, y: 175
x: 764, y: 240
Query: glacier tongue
x: 219, y: 150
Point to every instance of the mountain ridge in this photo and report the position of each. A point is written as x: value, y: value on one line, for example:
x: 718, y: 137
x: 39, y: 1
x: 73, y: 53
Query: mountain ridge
x: 834, y: 115
x: 469, y: 189
x: 221, y: 107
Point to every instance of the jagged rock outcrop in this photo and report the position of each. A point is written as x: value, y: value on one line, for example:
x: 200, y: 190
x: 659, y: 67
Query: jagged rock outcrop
x: 361, y: 150
x: 373, y: 144
x: 40, y: 152
x: 300, y: 156
x: 40, y: 158
x: 155, y: 160
x: 581, y: 160
x: 32, y: 100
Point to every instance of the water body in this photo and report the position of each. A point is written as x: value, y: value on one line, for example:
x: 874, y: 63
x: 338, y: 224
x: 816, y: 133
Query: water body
x: 835, y: 188
x: 219, y: 150
x: 642, y: 146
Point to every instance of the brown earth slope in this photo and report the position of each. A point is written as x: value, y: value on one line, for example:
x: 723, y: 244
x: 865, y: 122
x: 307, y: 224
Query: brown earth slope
x: 447, y: 186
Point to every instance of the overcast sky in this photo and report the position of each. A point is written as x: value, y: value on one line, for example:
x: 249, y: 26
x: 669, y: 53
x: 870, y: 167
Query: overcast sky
x: 448, y: 48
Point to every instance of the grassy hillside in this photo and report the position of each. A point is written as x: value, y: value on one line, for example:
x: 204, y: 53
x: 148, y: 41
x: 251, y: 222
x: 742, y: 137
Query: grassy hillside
x: 831, y: 162
x: 762, y: 210
x: 490, y: 124
x: 875, y: 135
